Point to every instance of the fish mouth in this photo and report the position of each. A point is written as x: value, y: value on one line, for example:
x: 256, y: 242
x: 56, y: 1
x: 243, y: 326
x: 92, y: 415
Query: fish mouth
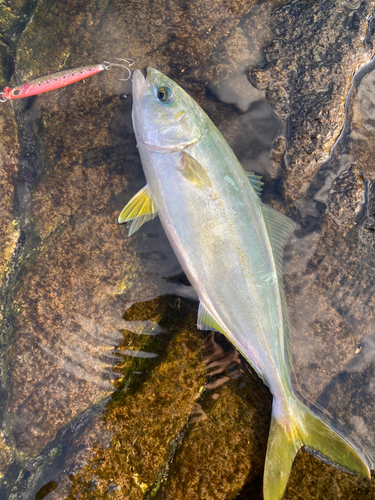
x: 139, y: 83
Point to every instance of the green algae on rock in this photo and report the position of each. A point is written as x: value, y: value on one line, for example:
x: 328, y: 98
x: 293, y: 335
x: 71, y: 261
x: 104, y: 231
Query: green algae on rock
x: 232, y: 436
x: 8, y: 170
x: 145, y: 422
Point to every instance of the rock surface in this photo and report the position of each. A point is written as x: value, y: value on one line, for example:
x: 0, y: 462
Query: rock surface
x: 315, y: 51
x: 81, y: 416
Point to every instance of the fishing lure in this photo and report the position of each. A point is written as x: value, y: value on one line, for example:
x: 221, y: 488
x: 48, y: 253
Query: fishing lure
x: 60, y: 79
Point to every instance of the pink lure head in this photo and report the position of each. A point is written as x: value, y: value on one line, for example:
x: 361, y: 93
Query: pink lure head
x: 9, y: 93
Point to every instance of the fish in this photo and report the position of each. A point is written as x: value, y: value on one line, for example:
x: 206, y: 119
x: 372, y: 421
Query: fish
x: 230, y: 246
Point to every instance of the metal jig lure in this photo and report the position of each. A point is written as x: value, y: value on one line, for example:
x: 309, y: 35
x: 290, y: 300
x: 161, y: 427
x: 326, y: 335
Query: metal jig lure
x: 60, y: 79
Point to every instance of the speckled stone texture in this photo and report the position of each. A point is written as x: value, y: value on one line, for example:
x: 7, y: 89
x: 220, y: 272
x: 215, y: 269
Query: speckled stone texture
x: 315, y: 51
x: 81, y: 418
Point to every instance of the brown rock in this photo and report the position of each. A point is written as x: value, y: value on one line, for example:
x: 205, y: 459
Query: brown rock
x: 347, y: 196
x: 5, y: 456
x: 8, y: 170
x: 79, y: 274
x: 330, y: 311
x: 311, y: 60
x: 66, y: 327
x: 224, y: 446
x: 145, y: 424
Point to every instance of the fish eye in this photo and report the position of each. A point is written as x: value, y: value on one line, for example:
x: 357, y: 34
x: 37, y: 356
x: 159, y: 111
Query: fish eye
x: 164, y: 94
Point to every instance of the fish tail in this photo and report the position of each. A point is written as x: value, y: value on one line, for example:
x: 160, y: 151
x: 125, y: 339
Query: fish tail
x: 301, y: 427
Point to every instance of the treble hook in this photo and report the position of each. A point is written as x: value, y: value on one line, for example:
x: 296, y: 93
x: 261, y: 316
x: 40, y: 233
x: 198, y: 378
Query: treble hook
x: 4, y: 97
x: 130, y: 62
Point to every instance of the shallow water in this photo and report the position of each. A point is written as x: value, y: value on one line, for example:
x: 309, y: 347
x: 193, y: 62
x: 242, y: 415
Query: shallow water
x: 107, y: 387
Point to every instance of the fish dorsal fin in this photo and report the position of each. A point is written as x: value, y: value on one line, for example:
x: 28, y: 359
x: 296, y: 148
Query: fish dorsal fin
x: 206, y: 321
x: 193, y: 171
x: 280, y: 228
x: 140, y: 209
x: 255, y: 181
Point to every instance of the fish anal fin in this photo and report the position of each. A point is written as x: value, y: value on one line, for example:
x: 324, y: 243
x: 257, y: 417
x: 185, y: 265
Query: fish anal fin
x: 140, y: 209
x: 193, y: 171
x: 206, y: 321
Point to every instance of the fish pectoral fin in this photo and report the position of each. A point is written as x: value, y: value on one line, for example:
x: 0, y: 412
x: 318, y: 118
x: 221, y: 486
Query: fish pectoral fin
x: 193, y: 171
x: 140, y: 209
x: 206, y: 321
x: 255, y: 181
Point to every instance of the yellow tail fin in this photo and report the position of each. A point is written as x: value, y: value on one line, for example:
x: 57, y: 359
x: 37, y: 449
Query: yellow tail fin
x: 304, y: 428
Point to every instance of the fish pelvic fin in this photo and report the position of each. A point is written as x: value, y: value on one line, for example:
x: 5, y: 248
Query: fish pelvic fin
x: 301, y: 427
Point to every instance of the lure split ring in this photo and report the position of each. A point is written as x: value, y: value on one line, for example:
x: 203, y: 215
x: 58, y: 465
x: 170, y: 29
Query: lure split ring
x: 107, y: 65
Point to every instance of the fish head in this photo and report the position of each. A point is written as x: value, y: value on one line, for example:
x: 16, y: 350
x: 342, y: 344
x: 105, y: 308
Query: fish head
x: 165, y: 117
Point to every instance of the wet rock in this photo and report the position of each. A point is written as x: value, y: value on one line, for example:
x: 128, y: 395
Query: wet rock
x: 78, y: 273
x: 361, y: 126
x: 5, y: 455
x: 330, y: 288
x: 78, y: 444
x: 313, y: 480
x: 334, y: 275
x: 8, y: 170
x: 347, y: 196
x: 241, y: 48
x: 368, y: 232
x: 228, y: 439
x: 316, y: 49
x: 15, y: 15
x: 68, y: 298
x: 227, y: 431
x: 146, y: 423
x: 66, y: 327
x: 361, y: 131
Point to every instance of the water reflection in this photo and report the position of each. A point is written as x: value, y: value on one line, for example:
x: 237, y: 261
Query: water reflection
x: 330, y: 280
x: 136, y: 354
x: 146, y: 327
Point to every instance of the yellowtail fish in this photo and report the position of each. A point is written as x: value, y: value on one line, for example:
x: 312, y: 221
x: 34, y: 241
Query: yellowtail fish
x: 230, y: 245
